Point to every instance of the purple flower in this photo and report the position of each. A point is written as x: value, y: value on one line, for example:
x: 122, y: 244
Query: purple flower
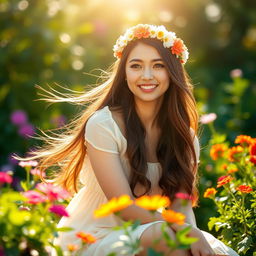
x: 208, y: 118
x: 34, y: 197
x: 5, y: 177
x: 12, y: 160
x: 59, y: 210
x: 19, y: 117
x: 236, y: 73
x: 26, y: 130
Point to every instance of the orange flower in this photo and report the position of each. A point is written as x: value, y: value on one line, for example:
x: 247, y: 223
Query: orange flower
x: 210, y: 192
x: 232, y: 170
x: 141, y: 32
x: 152, y: 203
x: 72, y: 247
x: 112, y: 206
x: 173, y: 217
x: 233, y: 153
x: 244, y: 140
x: 224, y: 167
x: 244, y: 189
x: 217, y: 151
x: 118, y: 54
x: 86, y: 238
x: 224, y: 180
x: 177, y: 47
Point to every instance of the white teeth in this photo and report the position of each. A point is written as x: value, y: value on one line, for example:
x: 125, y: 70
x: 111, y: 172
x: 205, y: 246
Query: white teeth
x: 148, y: 86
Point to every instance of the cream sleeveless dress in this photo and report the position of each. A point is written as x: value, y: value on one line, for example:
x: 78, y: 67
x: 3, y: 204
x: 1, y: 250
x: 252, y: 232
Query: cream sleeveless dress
x: 103, y: 133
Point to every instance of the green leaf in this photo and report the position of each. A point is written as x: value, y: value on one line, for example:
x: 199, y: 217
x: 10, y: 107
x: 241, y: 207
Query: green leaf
x: 244, y: 245
x: 152, y: 252
x: 64, y: 229
x: 183, y: 238
x: 24, y: 185
x: 135, y: 225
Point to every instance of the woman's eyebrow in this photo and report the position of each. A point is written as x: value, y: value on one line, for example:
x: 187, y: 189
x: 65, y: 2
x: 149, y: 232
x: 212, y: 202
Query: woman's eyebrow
x: 139, y: 60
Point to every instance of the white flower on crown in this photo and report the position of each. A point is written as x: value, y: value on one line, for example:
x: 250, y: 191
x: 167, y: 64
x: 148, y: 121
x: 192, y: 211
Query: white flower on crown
x: 168, y: 39
x: 160, y: 32
x: 152, y: 30
x: 185, y: 55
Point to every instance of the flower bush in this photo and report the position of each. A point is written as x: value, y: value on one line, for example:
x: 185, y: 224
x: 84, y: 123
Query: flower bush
x: 234, y: 194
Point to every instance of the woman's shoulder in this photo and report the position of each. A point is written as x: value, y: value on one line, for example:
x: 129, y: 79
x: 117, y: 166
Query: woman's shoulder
x: 99, y: 116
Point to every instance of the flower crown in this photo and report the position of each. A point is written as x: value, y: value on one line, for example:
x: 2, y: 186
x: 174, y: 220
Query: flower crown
x: 139, y: 31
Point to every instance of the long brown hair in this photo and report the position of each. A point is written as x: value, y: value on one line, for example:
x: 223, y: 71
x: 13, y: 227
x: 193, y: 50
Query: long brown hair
x: 177, y: 115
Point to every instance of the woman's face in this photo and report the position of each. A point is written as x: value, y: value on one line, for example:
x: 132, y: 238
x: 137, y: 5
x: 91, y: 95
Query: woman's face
x: 146, y: 74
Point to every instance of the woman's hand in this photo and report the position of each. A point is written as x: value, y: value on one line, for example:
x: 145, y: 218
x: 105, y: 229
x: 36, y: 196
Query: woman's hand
x: 201, y: 247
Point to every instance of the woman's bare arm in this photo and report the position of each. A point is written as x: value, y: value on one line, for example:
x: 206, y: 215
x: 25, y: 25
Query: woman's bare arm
x: 112, y: 180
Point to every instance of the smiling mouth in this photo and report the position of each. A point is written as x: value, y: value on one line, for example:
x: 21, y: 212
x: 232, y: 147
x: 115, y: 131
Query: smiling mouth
x: 147, y: 86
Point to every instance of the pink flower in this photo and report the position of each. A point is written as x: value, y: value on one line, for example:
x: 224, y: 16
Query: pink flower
x: 28, y: 163
x: 236, y: 73
x: 26, y: 130
x: 37, y: 172
x: 52, y: 192
x: 183, y: 196
x: 5, y: 178
x: 208, y: 118
x: 34, y: 197
x: 59, y: 210
x: 19, y: 117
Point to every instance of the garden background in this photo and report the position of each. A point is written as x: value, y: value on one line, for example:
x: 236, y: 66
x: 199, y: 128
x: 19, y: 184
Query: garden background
x: 59, y: 42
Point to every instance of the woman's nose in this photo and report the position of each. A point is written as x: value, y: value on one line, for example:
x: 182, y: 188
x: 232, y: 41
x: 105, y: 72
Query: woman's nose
x: 147, y: 73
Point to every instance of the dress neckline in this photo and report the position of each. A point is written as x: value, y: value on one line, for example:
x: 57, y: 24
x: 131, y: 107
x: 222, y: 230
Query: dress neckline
x: 119, y: 130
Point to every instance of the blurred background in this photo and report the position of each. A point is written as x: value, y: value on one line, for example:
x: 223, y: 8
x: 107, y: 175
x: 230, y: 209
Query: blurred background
x: 54, y: 42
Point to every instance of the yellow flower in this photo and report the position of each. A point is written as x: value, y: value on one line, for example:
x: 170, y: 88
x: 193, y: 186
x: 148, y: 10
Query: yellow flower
x: 112, y: 206
x: 152, y: 203
x: 173, y: 217
x: 210, y: 192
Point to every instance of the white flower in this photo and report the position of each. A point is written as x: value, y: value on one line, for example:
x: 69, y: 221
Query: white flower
x: 185, y: 55
x: 169, y: 39
x: 152, y: 30
x: 161, y: 32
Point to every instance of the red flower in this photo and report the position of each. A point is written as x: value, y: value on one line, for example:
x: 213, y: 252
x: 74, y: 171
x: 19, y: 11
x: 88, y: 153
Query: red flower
x: 244, y: 189
x: 183, y: 196
x: 253, y: 149
x: 210, y: 192
x: 5, y: 177
x: 59, y: 210
x: 223, y: 180
x: 253, y: 159
x: 86, y: 238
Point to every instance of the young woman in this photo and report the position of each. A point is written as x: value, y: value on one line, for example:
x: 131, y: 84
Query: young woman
x: 136, y: 137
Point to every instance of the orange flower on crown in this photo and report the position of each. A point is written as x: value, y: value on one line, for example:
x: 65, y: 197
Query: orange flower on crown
x: 141, y: 32
x: 234, y: 152
x: 218, y: 151
x: 244, y: 140
x: 178, y: 47
x: 113, y: 206
x: 173, y: 217
x: 86, y: 238
x: 244, y: 189
x: 223, y: 180
x: 210, y: 192
x: 152, y: 203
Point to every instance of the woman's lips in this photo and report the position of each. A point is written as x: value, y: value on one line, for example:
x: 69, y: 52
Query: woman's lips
x: 147, y: 87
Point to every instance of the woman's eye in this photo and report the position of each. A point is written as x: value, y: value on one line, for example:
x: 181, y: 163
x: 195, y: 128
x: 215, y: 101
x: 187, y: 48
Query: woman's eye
x: 159, y: 65
x: 135, y: 66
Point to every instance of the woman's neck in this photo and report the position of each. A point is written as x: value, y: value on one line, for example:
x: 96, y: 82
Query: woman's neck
x: 147, y: 112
